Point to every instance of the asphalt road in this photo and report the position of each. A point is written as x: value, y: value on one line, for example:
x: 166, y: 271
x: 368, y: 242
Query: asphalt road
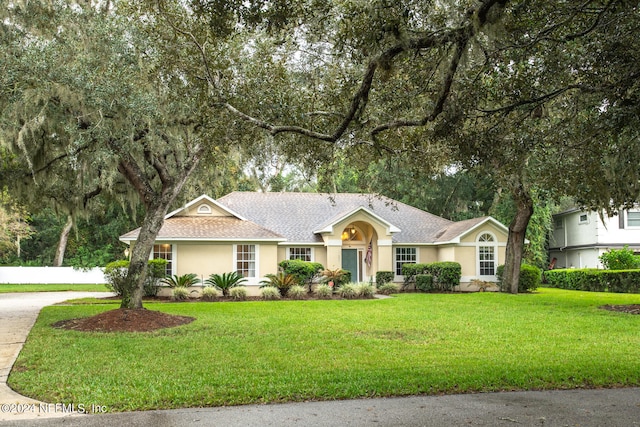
x: 596, y: 408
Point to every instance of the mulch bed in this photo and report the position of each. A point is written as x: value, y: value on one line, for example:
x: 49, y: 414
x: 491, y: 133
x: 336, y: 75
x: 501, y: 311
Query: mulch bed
x: 631, y: 308
x: 125, y: 320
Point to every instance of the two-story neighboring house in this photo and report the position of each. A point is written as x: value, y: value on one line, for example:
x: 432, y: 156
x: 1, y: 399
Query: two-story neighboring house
x: 580, y: 237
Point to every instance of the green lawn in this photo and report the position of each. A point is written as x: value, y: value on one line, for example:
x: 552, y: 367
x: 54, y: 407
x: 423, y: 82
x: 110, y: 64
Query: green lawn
x: 249, y: 352
x: 4, y: 288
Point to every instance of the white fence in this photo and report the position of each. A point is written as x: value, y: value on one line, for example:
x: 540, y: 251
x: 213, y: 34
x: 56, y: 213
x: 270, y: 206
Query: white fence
x: 51, y: 275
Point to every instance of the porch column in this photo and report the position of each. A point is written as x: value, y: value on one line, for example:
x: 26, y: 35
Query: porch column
x: 334, y: 254
x: 385, y: 255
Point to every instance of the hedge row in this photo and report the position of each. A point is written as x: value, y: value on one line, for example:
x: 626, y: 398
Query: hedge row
x: 530, y: 278
x: 444, y: 275
x: 591, y: 279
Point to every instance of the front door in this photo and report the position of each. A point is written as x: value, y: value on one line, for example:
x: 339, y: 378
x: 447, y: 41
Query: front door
x: 350, y: 263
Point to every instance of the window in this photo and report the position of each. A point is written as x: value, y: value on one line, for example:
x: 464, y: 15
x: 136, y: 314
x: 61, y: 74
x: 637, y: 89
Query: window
x: 633, y: 219
x: 404, y: 256
x: 164, y: 251
x: 204, y: 209
x: 558, y: 223
x: 486, y: 255
x: 584, y: 218
x: 303, y: 254
x: 246, y: 260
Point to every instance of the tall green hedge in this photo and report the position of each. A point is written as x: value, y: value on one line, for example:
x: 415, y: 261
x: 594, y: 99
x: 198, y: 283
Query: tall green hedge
x: 445, y: 274
x: 383, y: 277
x: 529, y: 280
x: 591, y: 279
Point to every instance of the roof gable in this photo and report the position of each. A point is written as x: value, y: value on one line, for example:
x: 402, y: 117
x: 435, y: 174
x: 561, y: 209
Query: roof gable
x: 203, y: 206
x: 331, y: 223
x: 456, y: 231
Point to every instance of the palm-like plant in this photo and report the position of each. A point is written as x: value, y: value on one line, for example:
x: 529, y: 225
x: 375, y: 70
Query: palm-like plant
x: 337, y: 276
x: 282, y: 281
x: 183, y: 281
x: 225, y: 281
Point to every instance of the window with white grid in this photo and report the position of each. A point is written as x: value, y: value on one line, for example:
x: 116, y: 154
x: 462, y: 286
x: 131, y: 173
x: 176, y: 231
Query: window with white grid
x: 246, y: 260
x: 303, y: 254
x: 486, y: 255
x: 164, y: 251
x: 405, y: 256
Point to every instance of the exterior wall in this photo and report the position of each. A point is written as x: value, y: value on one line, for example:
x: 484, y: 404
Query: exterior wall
x: 576, y: 244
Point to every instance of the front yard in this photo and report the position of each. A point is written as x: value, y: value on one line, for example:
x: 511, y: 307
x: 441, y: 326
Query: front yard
x: 252, y: 352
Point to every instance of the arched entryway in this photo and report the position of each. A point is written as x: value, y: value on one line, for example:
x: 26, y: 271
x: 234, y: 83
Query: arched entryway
x: 357, y: 250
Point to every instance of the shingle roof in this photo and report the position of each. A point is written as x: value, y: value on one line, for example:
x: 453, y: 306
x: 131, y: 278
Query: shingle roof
x: 296, y: 215
x: 209, y: 228
x: 458, y: 228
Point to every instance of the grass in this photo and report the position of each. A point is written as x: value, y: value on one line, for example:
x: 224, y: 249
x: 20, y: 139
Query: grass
x: 253, y: 352
x: 5, y: 288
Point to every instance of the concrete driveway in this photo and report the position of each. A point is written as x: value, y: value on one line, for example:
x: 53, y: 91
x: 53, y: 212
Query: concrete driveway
x: 585, y: 408
x: 18, y: 313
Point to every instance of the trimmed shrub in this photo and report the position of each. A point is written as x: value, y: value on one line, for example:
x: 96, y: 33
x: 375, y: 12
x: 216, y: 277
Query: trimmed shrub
x: 530, y: 278
x: 238, y: 293
x: 270, y: 293
x: 383, y: 277
x: 179, y: 293
x: 424, y: 282
x: 388, y: 289
x: 364, y: 290
x: 303, y: 271
x: 297, y: 292
x: 115, y: 274
x: 155, y: 273
x: 591, y: 279
x: 445, y: 274
x: 348, y: 291
x: 210, y: 293
x: 323, y: 291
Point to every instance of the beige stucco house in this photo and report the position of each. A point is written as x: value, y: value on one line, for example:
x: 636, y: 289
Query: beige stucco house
x: 252, y: 232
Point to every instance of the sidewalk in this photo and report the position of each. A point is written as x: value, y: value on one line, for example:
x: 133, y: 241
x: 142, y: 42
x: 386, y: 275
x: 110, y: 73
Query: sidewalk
x: 18, y: 314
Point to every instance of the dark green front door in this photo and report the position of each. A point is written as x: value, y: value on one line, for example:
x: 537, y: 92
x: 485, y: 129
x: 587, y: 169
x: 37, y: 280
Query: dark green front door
x: 350, y: 263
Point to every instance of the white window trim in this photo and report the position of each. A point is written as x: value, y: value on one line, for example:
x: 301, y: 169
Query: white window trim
x: 626, y: 221
x: 493, y: 244
x: 204, y: 209
x: 174, y: 256
x: 400, y: 277
x: 585, y: 221
x: 312, y: 253
x: 250, y: 280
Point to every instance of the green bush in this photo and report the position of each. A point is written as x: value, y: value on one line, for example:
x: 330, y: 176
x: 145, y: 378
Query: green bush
x: 323, y: 291
x: 303, y: 271
x: 179, y: 293
x: 115, y: 273
x: 424, y: 282
x: 530, y: 278
x: 297, y: 292
x: 620, y: 259
x: 445, y: 274
x: 337, y: 276
x: 383, y: 277
x: 270, y: 293
x: 155, y: 272
x: 238, y: 293
x: 225, y: 281
x: 591, y: 279
x: 388, y: 289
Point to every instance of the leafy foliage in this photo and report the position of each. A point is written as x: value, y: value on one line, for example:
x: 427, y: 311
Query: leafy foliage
x: 270, y: 293
x: 303, y: 271
x: 383, y: 277
x: 180, y: 293
x: 323, y: 291
x: 238, y: 293
x: 281, y: 281
x: 594, y: 280
x: 115, y: 273
x: 184, y: 281
x: 620, y: 259
x: 388, y: 289
x: 296, y: 292
x: 210, y: 293
x: 338, y: 276
x: 530, y: 277
x: 225, y: 281
x: 424, y: 282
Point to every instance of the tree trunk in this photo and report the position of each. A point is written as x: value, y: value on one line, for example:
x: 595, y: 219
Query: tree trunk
x: 62, y: 243
x: 141, y: 251
x: 516, y: 238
